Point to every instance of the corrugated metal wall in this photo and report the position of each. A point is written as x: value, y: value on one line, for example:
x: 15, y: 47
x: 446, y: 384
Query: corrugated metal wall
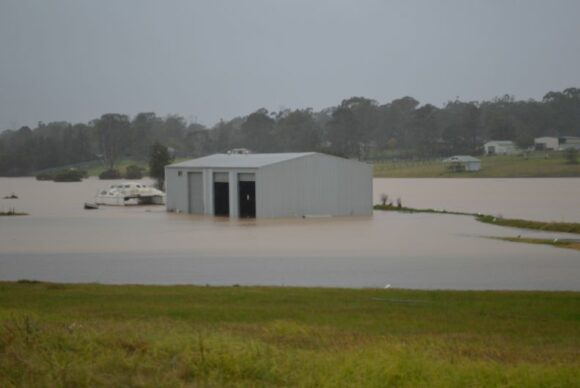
x: 195, y: 192
x: 176, y: 190
x: 314, y: 185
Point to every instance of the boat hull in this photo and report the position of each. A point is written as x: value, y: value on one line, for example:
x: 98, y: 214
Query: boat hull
x: 130, y: 200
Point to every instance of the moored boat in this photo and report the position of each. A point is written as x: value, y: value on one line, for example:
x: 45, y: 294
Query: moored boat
x: 130, y: 193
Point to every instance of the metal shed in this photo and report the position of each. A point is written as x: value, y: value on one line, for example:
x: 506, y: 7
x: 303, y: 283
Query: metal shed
x: 270, y: 185
x: 460, y: 163
x: 500, y: 147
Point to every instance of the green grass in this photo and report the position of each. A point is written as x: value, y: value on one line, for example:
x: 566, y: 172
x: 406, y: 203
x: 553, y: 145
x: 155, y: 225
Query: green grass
x: 532, y: 166
x: 93, y: 335
x: 403, y: 209
x: 565, y: 227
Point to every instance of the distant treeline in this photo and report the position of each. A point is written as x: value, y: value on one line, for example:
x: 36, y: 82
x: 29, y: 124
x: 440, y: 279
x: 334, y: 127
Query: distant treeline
x: 358, y: 127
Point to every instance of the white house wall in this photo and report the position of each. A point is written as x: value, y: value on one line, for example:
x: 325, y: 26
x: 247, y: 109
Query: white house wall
x: 550, y: 143
x: 314, y: 185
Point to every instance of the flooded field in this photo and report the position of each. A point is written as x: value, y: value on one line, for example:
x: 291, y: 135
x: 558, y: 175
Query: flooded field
x: 542, y: 199
x: 60, y: 241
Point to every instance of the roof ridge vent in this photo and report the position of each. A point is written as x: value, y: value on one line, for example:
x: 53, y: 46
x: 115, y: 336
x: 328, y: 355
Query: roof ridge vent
x: 239, y: 151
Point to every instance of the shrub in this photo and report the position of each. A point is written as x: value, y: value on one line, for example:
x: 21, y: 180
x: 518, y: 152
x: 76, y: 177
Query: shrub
x: 134, y: 172
x: 70, y: 175
x: 110, y: 174
x: 384, y: 199
x: 45, y: 176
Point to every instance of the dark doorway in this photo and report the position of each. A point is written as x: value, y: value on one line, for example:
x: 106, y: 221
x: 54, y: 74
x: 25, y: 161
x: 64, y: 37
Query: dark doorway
x: 247, y: 199
x: 221, y: 198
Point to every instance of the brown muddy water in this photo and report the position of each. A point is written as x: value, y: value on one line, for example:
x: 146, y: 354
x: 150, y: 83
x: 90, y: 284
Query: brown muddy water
x: 60, y: 241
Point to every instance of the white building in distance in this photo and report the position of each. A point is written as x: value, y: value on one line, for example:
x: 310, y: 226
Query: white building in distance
x: 556, y: 143
x: 270, y: 185
x: 500, y: 147
x: 461, y: 163
x: 546, y: 143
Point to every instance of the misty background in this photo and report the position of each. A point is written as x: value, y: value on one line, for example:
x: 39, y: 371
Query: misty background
x: 75, y: 60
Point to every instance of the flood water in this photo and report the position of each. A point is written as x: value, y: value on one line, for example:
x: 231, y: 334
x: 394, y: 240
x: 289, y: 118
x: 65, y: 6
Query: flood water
x: 542, y: 199
x: 60, y: 241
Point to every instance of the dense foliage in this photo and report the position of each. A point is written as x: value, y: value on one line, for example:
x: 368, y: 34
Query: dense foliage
x: 70, y: 175
x: 66, y: 175
x: 357, y: 127
x: 134, y: 172
x: 159, y: 157
x: 111, y: 174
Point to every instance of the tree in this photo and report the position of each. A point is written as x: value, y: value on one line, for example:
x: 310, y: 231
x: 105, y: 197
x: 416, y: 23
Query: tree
x: 564, y: 111
x: 460, y: 127
x: 423, y: 130
x: 145, y: 129
x: 159, y: 157
x: 394, y: 121
x: 297, y: 131
x: 343, y: 133
x: 113, y: 133
x: 258, y: 130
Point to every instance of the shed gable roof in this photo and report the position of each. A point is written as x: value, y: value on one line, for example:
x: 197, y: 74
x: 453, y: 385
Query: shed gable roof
x: 240, y: 160
x: 461, y: 158
x: 501, y: 142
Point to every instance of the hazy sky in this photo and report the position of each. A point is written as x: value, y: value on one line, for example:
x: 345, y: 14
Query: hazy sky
x: 74, y: 60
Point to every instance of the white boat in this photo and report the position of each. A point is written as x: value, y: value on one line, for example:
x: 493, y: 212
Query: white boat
x: 130, y: 193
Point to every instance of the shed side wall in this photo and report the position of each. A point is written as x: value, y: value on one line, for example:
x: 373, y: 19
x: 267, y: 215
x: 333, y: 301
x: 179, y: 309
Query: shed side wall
x: 314, y: 185
x: 176, y: 190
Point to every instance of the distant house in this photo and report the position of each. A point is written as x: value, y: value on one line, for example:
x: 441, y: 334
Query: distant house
x: 546, y: 143
x: 556, y: 143
x: 500, y: 147
x: 565, y: 142
x: 460, y: 163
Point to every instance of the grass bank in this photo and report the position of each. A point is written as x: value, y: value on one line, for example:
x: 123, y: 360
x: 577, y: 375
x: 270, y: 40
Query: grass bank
x: 564, y: 227
x: 534, y: 165
x: 403, y: 209
x: 570, y: 244
x: 12, y: 212
x: 93, y: 335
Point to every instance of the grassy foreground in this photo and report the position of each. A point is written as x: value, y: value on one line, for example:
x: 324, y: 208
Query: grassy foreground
x: 535, y: 165
x: 93, y: 335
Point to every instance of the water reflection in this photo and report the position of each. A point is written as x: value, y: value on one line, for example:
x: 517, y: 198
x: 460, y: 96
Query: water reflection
x: 60, y: 241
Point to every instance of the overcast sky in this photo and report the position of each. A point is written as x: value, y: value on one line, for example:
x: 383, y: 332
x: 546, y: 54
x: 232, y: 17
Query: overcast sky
x: 74, y: 60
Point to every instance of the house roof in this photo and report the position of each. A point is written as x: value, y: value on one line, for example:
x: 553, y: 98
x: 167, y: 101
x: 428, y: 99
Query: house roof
x: 461, y: 158
x: 501, y: 142
x: 240, y: 160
